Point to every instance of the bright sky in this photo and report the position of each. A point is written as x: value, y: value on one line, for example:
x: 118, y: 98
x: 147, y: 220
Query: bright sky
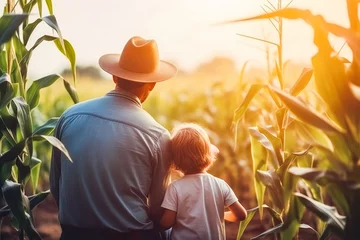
x: 182, y: 28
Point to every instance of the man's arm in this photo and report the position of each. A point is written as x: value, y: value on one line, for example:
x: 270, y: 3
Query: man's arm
x: 160, y: 177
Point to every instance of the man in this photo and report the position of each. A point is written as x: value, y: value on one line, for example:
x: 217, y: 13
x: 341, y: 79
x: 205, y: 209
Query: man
x: 115, y: 185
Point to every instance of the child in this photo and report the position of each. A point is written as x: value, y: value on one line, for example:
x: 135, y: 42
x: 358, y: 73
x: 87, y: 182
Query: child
x: 194, y: 204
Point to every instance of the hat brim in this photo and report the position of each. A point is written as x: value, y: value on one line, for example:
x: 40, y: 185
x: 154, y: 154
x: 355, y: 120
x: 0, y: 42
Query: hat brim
x: 110, y: 64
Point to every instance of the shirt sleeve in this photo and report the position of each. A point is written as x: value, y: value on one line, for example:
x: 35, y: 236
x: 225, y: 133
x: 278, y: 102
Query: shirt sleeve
x: 229, y: 195
x: 160, y: 176
x: 170, y: 200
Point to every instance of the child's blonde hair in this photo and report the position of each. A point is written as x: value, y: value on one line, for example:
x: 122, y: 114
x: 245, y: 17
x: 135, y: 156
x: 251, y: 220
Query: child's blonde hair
x: 191, y: 148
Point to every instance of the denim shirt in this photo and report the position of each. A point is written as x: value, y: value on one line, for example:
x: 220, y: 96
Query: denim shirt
x: 120, y: 168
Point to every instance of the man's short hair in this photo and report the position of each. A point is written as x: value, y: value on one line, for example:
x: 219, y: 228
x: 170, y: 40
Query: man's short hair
x: 128, y: 85
x: 191, y: 151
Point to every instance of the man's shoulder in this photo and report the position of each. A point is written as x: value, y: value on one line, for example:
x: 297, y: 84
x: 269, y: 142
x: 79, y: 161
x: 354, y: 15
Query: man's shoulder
x: 81, y: 106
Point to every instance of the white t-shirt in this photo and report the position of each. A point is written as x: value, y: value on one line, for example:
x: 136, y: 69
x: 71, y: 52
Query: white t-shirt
x: 199, y: 200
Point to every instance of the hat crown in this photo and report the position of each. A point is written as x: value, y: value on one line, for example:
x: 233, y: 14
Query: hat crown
x: 140, y: 55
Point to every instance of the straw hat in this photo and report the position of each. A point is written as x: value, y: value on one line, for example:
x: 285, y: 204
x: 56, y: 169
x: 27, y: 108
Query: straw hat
x: 138, y: 62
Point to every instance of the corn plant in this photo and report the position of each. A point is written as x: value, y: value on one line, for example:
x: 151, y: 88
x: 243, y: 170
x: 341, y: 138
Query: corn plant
x: 329, y: 164
x: 19, y: 96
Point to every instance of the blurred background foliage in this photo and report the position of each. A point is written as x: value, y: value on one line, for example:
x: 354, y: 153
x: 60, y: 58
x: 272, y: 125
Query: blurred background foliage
x: 207, y: 96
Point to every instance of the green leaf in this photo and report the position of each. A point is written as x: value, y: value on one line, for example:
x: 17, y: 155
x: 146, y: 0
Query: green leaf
x: 272, y: 230
x: 38, y: 198
x: 25, y: 61
x: 28, y: 30
x: 55, y: 142
x: 72, y: 92
x: 6, y: 90
x: 23, y: 172
x: 313, y: 136
x: 272, y: 181
x: 50, y: 6
x: 12, y: 153
x: 292, y: 219
x: 250, y: 215
x: 336, y: 193
x: 34, y: 201
x: 306, y: 114
x: 9, y: 23
x: 328, y: 179
x: 302, y: 82
x: 35, y: 165
x: 20, y: 49
x: 264, y: 141
x: 305, y: 226
x: 15, y: 200
x: 22, y: 112
x: 39, y: 3
x: 69, y: 53
x: 47, y: 128
x: 270, y: 134
x: 328, y: 214
x: 29, y: 6
x: 51, y: 21
x: 245, y: 223
x: 259, y: 158
x: 33, y: 93
x: 5, y: 171
x: 322, y: 177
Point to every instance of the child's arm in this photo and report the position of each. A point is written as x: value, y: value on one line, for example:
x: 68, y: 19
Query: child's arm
x: 237, y: 212
x: 168, y: 219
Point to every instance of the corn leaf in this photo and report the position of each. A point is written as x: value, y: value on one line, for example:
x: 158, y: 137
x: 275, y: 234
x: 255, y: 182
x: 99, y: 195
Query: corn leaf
x: 72, y: 91
x: 39, y: 3
x: 292, y: 219
x: 313, y: 136
x: 322, y: 177
x: 6, y: 90
x: 264, y: 141
x: 55, y: 142
x: 254, y: 89
x: 33, y: 93
x: 328, y: 179
x: 306, y: 114
x: 52, y: 22
x: 273, y: 230
x: 35, y: 166
x: 47, y: 128
x: 29, y: 29
x: 34, y: 201
x: 67, y: 49
x: 245, y: 223
x: 270, y: 134
x: 15, y: 200
x: 335, y: 221
x: 302, y: 82
x: 272, y: 181
x: 250, y: 215
x: 9, y: 23
x: 305, y: 226
x: 50, y: 6
x: 259, y: 158
x: 29, y: 6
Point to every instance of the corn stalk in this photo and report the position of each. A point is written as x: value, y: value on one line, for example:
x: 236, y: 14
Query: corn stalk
x: 19, y: 96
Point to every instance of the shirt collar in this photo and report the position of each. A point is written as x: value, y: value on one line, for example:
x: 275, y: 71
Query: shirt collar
x: 124, y: 94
